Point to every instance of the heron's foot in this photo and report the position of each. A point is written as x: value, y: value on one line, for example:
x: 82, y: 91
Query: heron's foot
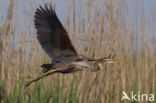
x: 27, y: 83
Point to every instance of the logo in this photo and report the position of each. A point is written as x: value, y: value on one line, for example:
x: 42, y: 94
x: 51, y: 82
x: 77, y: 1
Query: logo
x: 137, y: 97
x: 125, y: 96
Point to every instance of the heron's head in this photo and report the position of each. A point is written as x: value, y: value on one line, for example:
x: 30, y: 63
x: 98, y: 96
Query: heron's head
x: 107, y: 60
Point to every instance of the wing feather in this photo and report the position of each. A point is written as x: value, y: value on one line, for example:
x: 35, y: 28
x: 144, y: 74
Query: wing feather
x: 51, y: 34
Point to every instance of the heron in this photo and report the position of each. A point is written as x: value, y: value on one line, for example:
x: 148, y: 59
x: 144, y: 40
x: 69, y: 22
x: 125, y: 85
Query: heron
x: 55, y: 41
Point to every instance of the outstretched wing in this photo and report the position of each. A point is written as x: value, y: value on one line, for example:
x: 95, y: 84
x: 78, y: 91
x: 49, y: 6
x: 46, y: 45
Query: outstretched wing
x: 51, y: 34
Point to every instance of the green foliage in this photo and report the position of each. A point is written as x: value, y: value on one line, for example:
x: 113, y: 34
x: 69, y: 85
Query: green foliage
x: 21, y: 95
x: 54, y: 95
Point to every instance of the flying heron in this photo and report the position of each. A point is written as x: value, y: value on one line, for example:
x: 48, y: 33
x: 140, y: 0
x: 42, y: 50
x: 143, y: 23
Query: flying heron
x: 55, y: 41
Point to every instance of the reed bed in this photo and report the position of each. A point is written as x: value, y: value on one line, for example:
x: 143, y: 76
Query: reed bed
x: 97, y: 28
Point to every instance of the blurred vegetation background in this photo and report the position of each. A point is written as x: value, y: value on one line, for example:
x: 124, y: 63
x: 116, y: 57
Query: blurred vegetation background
x: 97, y: 28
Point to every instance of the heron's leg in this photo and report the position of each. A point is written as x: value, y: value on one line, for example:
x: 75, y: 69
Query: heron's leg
x: 45, y: 74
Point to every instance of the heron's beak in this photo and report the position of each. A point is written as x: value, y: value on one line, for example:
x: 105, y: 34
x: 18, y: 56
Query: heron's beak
x: 112, y: 61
